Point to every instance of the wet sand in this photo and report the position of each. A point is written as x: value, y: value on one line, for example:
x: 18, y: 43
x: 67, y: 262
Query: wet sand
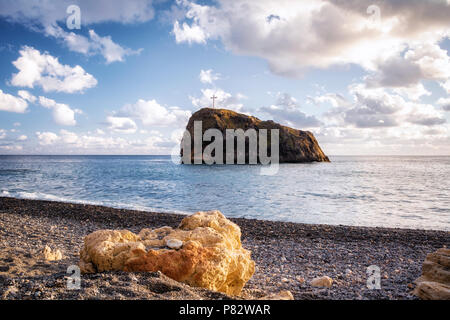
x: 287, y: 255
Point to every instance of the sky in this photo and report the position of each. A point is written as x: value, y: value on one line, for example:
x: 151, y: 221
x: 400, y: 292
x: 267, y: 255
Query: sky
x: 366, y: 77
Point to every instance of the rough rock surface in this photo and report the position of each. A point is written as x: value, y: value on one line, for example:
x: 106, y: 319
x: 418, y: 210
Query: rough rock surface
x: 324, y: 281
x: 282, y: 295
x: 434, y: 284
x: 295, y: 145
x: 211, y: 255
x: 51, y: 254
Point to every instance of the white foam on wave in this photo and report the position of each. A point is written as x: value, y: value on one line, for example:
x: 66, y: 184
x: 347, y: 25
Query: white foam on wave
x: 28, y: 195
x: 39, y: 196
x: 116, y: 205
x: 121, y: 205
x: 51, y: 197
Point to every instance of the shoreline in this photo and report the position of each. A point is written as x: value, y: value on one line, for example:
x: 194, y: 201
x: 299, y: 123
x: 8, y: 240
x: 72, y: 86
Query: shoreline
x: 133, y: 208
x: 287, y: 255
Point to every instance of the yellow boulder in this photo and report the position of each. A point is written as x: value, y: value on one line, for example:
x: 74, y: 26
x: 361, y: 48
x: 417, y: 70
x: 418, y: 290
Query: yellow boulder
x: 204, y: 251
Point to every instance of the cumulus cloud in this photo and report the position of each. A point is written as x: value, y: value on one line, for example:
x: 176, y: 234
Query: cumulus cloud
x: 109, y: 49
x: 22, y: 138
x: 151, y: 113
x: 423, y: 61
x: 68, y: 142
x: 121, y: 124
x: 47, y: 138
x: 208, y: 76
x: 26, y: 96
x: 413, y: 92
x: 2, y: 134
x: 190, y: 34
x: 444, y: 103
x: 44, y: 70
x: 224, y: 100
x: 12, y: 103
x: 334, y: 99
x: 380, y: 121
x: 287, y: 110
x: 62, y: 113
x: 295, y: 35
x: 446, y: 85
x: 45, y: 12
x: 68, y: 137
x: 94, y: 44
x: 45, y: 16
x: 11, y: 147
x: 375, y: 108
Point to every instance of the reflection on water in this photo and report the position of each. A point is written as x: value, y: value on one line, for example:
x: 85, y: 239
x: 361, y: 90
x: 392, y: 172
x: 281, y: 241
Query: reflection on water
x: 407, y: 192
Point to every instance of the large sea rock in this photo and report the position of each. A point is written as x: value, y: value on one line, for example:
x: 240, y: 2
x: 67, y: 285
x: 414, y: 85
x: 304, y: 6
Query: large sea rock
x: 294, y: 145
x: 204, y: 251
x: 434, y: 284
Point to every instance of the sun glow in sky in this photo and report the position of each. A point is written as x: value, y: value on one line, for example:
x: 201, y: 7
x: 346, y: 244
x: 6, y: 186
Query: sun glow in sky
x: 366, y: 77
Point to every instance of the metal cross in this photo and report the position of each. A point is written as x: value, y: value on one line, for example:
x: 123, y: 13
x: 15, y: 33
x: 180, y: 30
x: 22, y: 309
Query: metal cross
x: 213, y: 99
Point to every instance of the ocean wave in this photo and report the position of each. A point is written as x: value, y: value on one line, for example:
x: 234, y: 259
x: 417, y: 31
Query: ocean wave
x: 111, y: 204
x: 39, y: 196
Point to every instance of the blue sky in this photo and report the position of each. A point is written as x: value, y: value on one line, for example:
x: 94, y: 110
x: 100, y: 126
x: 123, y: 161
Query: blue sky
x: 127, y: 81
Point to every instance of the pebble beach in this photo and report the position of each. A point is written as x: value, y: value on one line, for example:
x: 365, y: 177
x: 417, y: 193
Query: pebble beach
x: 288, y: 256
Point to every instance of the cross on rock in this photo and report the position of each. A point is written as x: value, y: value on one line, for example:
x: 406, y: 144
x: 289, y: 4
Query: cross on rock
x: 214, y: 99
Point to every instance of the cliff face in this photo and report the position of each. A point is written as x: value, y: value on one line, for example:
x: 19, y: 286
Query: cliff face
x: 295, y: 146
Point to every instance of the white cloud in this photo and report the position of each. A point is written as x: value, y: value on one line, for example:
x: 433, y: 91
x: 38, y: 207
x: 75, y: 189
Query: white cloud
x: 286, y: 110
x: 68, y: 137
x: 12, y: 103
x: 46, y: 71
x: 190, y: 34
x: 380, y: 121
x: 294, y: 35
x: 224, y: 100
x: 208, y: 77
x: 67, y: 142
x: 423, y: 61
x: 332, y: 98
x: 47, y: 138
x: 9, y: 147
x: 151, y: 113
x: 444, y: 103
x: 62, y: 113
x: 109, y: 49
x: 414, y: 92
x: 377, y: 108
x: 93, y: 45
x: 48, y: 12
x: 22, y: 138
x: 2, y: 134
x: 446, y: 85
x: 26, y: 96
x: 121, y: 124
x: 44, y: 16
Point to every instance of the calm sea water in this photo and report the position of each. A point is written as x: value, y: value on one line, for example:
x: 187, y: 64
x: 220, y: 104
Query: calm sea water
x: 406, y: 192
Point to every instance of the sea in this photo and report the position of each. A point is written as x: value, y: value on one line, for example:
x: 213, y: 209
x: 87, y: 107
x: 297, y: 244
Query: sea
x: 375, y: 191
